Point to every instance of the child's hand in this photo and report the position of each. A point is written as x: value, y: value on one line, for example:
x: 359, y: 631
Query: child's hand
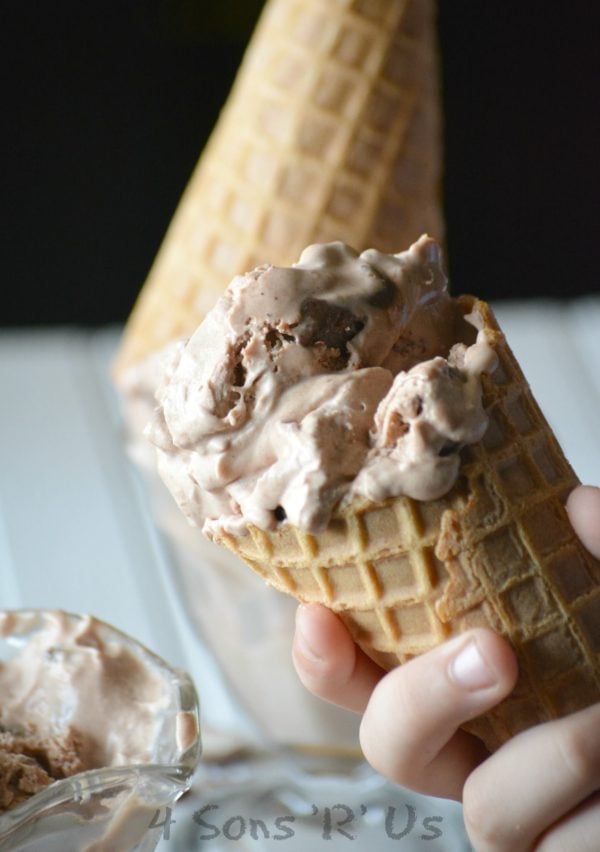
x: 540, y: 790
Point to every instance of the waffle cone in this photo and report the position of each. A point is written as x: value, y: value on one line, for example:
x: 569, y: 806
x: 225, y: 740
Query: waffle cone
x: 331, y: 131
x: 497, y: 551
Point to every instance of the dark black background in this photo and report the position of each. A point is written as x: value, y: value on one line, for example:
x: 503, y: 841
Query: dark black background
x: 106, y: 107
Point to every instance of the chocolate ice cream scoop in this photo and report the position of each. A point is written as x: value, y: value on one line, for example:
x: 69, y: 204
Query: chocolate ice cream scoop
x: 274, y: 410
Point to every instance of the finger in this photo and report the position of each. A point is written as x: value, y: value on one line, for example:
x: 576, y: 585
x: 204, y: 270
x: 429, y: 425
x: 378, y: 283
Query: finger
x: 583, y: 508
x: 328, y: 662
x: 409, y: 730
x: 578, y: 832
x: 532, y: 781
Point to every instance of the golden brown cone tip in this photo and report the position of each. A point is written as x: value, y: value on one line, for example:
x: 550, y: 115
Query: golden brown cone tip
x: 497, y: 551
x: 331, y: 131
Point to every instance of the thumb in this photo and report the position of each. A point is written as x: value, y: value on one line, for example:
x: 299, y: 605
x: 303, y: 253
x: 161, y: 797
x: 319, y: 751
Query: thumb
x: 409, y: 731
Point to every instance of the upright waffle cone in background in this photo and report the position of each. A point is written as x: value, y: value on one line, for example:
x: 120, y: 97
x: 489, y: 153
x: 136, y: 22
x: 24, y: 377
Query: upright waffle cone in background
x: 331, y: 131
x: 497, y: 551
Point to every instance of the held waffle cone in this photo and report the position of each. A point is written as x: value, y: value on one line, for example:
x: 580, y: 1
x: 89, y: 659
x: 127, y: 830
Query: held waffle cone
x: 497, y: 551
x: 331, y: 131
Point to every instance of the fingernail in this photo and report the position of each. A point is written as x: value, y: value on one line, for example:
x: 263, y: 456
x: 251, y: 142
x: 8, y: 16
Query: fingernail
x: 302, y: 640
x: 470, y: 670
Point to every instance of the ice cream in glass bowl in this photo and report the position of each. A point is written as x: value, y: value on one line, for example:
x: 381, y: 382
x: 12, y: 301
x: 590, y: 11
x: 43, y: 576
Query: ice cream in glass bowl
x: 98, y: 735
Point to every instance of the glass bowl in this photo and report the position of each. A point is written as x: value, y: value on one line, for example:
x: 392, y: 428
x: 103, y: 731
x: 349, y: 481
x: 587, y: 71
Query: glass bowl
x: 115, y: 807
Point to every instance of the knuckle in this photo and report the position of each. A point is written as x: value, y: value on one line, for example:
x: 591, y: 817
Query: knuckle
x: 309, y: 675
x: 370, y: 745
x: 372, y: 739
x: 323, y: 680
x: 388, y: 762
x: 383, y: 733
x: 577, y: 753
x: 480, y: 816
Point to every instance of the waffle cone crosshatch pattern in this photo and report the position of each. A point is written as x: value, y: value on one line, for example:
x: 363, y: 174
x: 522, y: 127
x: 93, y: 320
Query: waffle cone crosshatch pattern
x: 331, y: 131
x: 497, y: 551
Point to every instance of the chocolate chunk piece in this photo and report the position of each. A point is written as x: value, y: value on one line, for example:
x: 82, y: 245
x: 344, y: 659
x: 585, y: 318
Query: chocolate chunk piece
x: 384, y: 296
x: 280, y: 513
x: 327, y: 324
